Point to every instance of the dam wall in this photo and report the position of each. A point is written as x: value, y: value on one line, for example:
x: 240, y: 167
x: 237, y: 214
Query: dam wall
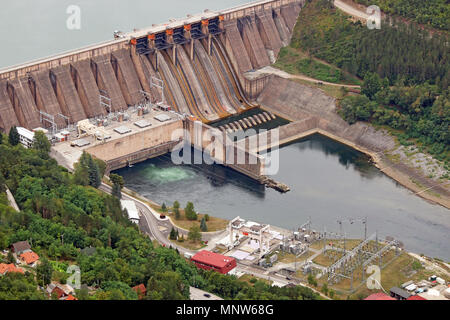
x: 220, y: 148
x: 139, y: 146
x: 162, y: 139
x: 217, y: 45
x: 312, y: 110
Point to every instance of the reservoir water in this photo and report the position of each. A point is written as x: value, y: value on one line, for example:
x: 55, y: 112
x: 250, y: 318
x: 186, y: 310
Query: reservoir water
x: 32, y: 29
x: 328, y: 181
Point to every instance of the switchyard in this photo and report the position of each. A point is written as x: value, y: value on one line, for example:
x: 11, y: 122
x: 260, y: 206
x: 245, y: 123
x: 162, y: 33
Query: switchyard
x: 329, y: 256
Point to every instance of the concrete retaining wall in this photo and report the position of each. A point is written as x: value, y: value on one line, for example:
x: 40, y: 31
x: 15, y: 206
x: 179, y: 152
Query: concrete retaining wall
x: 134, y: 143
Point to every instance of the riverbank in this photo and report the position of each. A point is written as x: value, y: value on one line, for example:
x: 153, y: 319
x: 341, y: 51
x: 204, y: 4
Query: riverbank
x: 301, y: 103
x: 402, y: 174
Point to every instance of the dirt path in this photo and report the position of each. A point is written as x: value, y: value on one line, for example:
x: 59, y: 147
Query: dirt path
x: 432, y: 265
x: 285, y: 75
x: 351, y: 10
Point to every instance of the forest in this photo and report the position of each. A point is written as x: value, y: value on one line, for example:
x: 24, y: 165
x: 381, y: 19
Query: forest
x: 435, y: 13
x: 405, y: 69
x: 68, y: 221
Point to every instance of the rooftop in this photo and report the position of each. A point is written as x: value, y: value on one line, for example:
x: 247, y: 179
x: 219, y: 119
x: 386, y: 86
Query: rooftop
x: 122, y: 129
x: 140, y: 290
x: 5, y: 268
x: 131, y: 209
x: 379, y: 296
x: 21, y: 246
x: 29, y: 257
x: 25, y: 133
x: 212, y: 258
x: 416, y: 298
x: 162, y: 117
x: 143, y: 123
x: 400, y: 292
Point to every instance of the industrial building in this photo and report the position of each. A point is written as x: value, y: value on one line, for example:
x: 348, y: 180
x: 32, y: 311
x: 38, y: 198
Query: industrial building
x: 26, y: 137
x: 208, y: 260
x: 130, y: 206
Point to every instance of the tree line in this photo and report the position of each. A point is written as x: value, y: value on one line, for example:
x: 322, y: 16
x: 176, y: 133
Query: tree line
x: 435, y: 13
x: 397, y: 51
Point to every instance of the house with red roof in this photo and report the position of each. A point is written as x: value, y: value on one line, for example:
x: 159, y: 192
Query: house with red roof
x: 141, y: 290
x: 60, y: 291
x: 5, y: 268
x: 214, y: 261
x: 30, y: 258
x: 416, y: 297
x: 379, y: 296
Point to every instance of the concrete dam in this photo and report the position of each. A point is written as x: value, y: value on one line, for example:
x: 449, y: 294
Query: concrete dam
x: 193, y: 65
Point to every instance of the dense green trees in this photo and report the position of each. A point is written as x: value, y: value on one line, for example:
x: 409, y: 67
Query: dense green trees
x: 88, y: 171
x: 62, y: 218
x: 16, y: 286
x: 435, y: 13
x: 189, y: 211
x: 168, y: 285
x: 13, y: 138
x: 176, y: 209
x: 2, y: 183
x: 371, y: 85
x: 421, y: 112
x: 406, y: 72
x: 194, y: 233
x: 118, y: 184
x: 41, y: 144
x: 44, y: 272
x: 355, y: 108
x: 203, y: 225
x: 117, y: 290
x: 398, y: 52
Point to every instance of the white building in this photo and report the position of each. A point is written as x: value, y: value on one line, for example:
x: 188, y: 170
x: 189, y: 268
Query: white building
x: 133, y: 214
x: 26, y: 137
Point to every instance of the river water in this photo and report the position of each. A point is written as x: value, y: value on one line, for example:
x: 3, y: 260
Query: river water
x: 32, y: 29
x: 328, y: 180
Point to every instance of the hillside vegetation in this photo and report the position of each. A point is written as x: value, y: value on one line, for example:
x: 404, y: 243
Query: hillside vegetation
x: 406, y: 73
x: 62, y: 214
x: 435, y: 13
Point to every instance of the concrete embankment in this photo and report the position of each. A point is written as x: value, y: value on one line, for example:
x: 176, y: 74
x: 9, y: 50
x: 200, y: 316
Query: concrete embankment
x: 312, y: 111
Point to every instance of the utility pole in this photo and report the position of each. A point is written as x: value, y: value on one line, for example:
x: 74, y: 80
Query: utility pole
x: 365, y: 228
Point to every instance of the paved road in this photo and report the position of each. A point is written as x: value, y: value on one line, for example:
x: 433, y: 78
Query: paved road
x: 197, y: 294
x: 154, y: 227
x: 350, y: 10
